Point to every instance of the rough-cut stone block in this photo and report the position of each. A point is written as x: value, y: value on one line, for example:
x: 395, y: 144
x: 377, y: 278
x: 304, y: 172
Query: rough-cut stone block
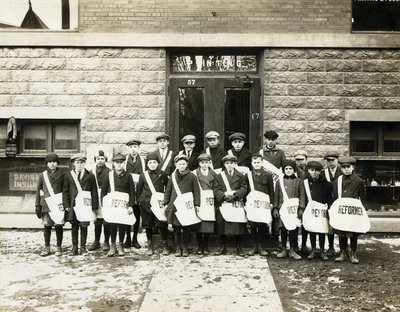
x: 362, y: 54
x: 279, y: 114
x: 381, y: 90
x: 153, y: 64
x: 276, y: 65
x: 143, y: 125
x: 343, y: 90
x: 306, y: 90
x: 84, y: 88
x: 308, y: 114
x: 362, y: 78
x: 14, y: 88
x: 66, y: 100
x: 49, y: 64
x: 152, y: 89
x: 285, y: 53
x: 307, y: 65
x: 324, y: 53
x: 141, y: 76
x: 5, y: 76
x: 279, y: 77
x: 121, y: 64
x: 105, y: 53
x: 101, y: 125
x: 391, y: 78
x: 84, y: 64
x: 141, y: 101
x: 284, y: 102
x: 104, y: 100
x: 152, y: 113
x: 30, y: 100
x: 27, y: 52
x: 6, y: 100
x: 323, y: 78
x: 381, y: 66
x: 97, y: 76
x: 67, y: 52
x: 118, y: 137
x: 344, y: 66
x: 46, y: 88
x: 324, y: 102
x: 143, y: 53
x: 91, y: 137
x: 325, y: 126
x: 121, y: 88
x: 390, y: 54
x: 335, y: 114
x: 14, y: 64
x: 362, y: 103
x: 390, y: 103
x: 288, y: 126
x: 123, y: 113
x: 276, y: 90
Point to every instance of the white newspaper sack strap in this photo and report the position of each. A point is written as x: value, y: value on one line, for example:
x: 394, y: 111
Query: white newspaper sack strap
x: 184, y: 204
x: 115, y: 206
x: 166, y: 162
x: 83, y: 202
x: 348, y: 214
x: 327, y: 176
x: 54, y: 202
x: 99, y: 212
x: 232, y: 212
x: 288, y: 211
x: 257, y: 207
x: 156, y: 201
x: 315, y: 217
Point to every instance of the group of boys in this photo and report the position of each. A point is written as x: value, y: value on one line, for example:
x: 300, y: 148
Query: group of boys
x: 135, y: 174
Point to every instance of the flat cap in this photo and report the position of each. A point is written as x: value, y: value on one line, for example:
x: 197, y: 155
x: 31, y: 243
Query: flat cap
x: 315, y: 165
x: 237, y: 136
x: 163, y: 136
x: 188, y: 138
x: 347, y: 161
x: 203, y: 156
x: 180, y: 157
x: 134, y: 142
x: 118, y: 157
x: 229, y: 158
x: 256, y: 155
x: 300, y: 153
x: 289, y: 163
x: 271, y: 134
x: 52, y: 157
x: 212, y: 134
x: 331, y: 154
x: 100, y: 153
x: 78, y: 156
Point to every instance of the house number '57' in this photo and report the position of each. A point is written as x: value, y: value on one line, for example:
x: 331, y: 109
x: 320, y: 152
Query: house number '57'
x: 255, y: 116
x: 191, y: 82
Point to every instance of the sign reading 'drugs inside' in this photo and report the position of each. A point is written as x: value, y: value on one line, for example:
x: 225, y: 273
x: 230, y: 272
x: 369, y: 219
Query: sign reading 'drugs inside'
x: 23, y: 181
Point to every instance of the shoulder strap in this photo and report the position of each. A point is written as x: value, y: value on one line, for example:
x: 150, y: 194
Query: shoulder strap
x: 340, y: 185
x: 225, y: 179
x: 209, y: 153
x: 48, y: 184
x: 308, y: 190
x: 180, y: 153
x: 327, y: 175
x: 284, y: 193
x: 166, y: 162
x: 261, y: 152
x: 111, y: 178
x: 143, y: 163
x: 251, y: 181
x: 95, y: 177
x: 177, y: 189
x: 149, y: 182
x: 78, y: 185
x: 230, y: 152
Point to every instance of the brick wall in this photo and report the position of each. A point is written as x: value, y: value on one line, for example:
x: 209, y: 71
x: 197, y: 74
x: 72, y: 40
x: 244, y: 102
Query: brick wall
x: 231, y: 16
x: 122, y: 89
x: 307, y: 92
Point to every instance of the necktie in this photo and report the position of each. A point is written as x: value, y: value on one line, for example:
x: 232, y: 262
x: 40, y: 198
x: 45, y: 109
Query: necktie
x: 188, y: 154
x: 79, y: 175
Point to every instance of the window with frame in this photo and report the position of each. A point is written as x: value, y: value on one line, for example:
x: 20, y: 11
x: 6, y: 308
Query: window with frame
x: 40, y: 137
x: 374, y: 138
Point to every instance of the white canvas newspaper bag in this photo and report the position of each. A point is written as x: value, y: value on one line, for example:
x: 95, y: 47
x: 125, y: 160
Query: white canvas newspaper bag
x: 99, y: 212
x: 289, y: 209
x: 232, y: 212
x: 115, y: 205
x: 184, y: 204
x: 276, y: 172
x: 348, y: 214
x: 218, y: 170
x: 54, y: 202
x: 257, y: 204
x: 156, y: 201
x: 206, y: 210
x: 315, y: 217
x: 83, y: 202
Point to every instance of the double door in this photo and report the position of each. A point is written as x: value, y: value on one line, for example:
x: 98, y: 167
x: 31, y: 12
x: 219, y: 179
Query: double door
x: 225, y: 105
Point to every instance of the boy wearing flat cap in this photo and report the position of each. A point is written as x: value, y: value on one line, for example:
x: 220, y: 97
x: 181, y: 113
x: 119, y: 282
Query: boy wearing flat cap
x: 352, y: 186
x: 237, y: 183
x: 242, y: 154
x: 215, y: 150
x: 189, y: 142
x: 87, y: 182
x: 321, y: 192
x: 300, y: 157
x: 100, y: 173
x: 123, y: 183
x: 163, y: 153
x: 134, y: 165
x: 155, y: 179
x: 51, y: 181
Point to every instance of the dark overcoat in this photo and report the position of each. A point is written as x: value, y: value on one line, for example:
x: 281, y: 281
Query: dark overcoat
x: 123, y: 183
x: 216, y: 154
x: 193, y: 164
x: 243, y: 157
x: 171, y: 165
x: 274, y: 155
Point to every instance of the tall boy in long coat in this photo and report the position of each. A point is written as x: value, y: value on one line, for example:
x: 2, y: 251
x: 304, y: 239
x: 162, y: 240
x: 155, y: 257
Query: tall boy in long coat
x: 88, y: 183
x: 214, y: 149
x: 237, y: 182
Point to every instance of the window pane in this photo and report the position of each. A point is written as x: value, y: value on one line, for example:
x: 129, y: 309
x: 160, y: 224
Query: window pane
x: 363, y: 138
x: 35, y: 137
x: 391, y: 138
x: 3, y: 135
x: 225, y: 63
x: 246, y: 63
x: 182, y: 63
x: 66, y: 137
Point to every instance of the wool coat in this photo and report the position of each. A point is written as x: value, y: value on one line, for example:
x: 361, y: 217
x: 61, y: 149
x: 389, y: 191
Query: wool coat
x: 274, y: 155
x: 332, y: 177
x: 243, y: 157
x: 193, y: 164
x: 134, y: 166
x: 171, y: 165
x: 123, y: 183
x: 216, y: 153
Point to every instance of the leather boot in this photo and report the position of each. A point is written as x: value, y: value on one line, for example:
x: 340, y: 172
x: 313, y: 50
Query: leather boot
x: 127, y: 243
x: 83, y: 249
x: 178, y: 252
x: 311, y: 255
x: 45, y: 252
x: 58, y: 252
x: 206, y: 251
x: 263, y: 252
x: 94, y: 246
x: 120, y: 250
x: 185, y: 251
x: 293, y: 254
x: 330, y: 252
x: 221, y: 250
x: 353, y: 258
x: 282, y: 254
x: 342, y: 256
x: 135, y: 243
x: 199, y: 251
x: 106, y: 246
x: 111, y: 252
x: 324, y: 257
x: 240, y: 252
x: 165, y: 251
x: 150, y: 249
x: 74, y: 251
x: 253, y: 250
